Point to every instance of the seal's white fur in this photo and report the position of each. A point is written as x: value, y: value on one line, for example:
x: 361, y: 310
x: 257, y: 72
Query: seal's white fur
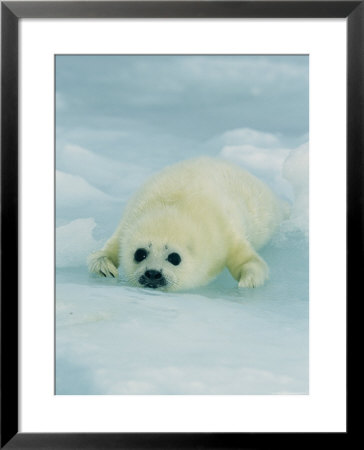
x: 210, y: 212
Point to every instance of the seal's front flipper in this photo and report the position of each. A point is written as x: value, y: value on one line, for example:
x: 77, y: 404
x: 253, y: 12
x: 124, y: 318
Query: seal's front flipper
x: 246, y: 266
x: 253, y: 273
x: 100, y: 264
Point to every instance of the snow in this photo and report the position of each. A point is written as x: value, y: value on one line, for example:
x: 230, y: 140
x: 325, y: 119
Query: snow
x: 112, y: 338
x: 116, y: 339
x: 295, y: 170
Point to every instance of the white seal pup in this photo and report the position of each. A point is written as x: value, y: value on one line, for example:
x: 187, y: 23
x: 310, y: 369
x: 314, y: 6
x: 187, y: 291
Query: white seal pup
x: 190, y: 221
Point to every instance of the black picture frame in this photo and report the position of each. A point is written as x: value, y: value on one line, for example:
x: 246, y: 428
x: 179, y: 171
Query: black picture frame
x: 11, y: 12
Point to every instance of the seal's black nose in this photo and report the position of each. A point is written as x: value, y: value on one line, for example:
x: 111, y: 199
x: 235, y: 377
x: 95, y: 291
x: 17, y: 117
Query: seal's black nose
x: 152, y: 279
x: 153, y: 275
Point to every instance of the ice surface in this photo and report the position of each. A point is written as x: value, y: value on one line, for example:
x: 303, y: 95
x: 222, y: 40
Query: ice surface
x: 112, y: 338
x: 295, y: 170
x: 74, y: 241
x: 116, y: 339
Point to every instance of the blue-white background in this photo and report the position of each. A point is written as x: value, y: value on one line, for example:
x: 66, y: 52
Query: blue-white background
x: 118, y: 120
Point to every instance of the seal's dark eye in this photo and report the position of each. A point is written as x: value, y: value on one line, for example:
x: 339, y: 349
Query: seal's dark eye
x: 140, y: 254
x: 174, y: 259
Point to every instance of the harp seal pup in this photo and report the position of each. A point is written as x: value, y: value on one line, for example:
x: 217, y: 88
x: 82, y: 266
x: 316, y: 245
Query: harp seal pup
x: 188, y: 222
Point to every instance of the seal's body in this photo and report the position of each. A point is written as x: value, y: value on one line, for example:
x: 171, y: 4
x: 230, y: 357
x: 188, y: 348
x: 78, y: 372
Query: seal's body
x: 190, y: 221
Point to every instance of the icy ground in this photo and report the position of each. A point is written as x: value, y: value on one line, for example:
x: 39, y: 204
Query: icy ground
x: 115, y: 339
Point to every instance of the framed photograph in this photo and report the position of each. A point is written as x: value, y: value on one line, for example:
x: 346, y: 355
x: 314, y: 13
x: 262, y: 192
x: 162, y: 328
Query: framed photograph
x: 181, y: 221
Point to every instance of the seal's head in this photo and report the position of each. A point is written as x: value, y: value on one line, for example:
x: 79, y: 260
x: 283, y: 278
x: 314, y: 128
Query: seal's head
x: 155, y: 265
x: 160, y: 251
